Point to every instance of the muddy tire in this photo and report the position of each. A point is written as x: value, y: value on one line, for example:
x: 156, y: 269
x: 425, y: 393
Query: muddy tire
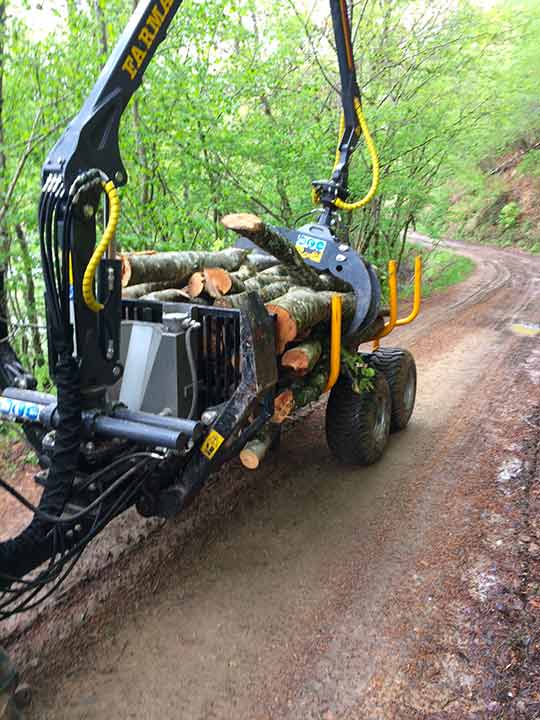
x: 399, y: 369
x: 358, y: 425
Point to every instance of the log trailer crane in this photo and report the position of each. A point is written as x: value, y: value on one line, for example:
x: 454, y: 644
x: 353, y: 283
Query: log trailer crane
x: 102, y: 450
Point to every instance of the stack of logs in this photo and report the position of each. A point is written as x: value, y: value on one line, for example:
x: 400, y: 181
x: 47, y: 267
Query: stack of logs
x: 294, y: 292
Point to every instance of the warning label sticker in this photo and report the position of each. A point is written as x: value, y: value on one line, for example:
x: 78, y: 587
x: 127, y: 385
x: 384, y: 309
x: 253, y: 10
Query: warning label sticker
x: 212, y: 444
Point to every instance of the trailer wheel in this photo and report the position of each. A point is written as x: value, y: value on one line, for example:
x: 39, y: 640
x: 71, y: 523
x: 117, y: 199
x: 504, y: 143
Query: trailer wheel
x: 399, y: 369
x: 358, y: 425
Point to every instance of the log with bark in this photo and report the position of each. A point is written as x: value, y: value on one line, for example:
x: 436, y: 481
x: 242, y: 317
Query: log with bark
x: 243, y: 273
x: 266, y: 294
x: 301, y: 393
x: 261, y: 261
x: 279, y: 270
x: 301, y: 309
x: 302, y: 358
x: 134, y: 292
x: 260, y: 281
x: 177, y: 267
x: 299, y: 296
x: 271, y: 240
x: 173, y: 295
x: 255, y: 450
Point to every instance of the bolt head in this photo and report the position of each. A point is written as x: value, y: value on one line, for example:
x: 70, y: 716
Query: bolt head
x: 343, y: 247
x: 117, y: 371
x: 88, y: 211
x: 341, y: 258
x: 208, y: 417
x: 119, y: 177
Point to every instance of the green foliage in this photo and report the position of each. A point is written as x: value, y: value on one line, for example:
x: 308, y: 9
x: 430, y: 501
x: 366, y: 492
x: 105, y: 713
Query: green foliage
x: 485, y: 168
x: 441, y: 269
x: 509, y: 215
x: 530, y: 164
x: 362, y: 375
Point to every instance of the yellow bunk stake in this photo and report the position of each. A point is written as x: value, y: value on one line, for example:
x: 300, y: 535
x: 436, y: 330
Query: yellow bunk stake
x: 392, y: 283
x: 335, y: 342
x: 417, y: 293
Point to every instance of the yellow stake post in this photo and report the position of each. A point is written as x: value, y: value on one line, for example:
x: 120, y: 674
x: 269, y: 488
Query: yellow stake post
x: 417, y: 293
x: 392, y: 284
x: 335, y: 342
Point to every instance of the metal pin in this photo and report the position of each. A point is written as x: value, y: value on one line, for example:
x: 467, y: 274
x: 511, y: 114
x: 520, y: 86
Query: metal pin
x: 110, y: 278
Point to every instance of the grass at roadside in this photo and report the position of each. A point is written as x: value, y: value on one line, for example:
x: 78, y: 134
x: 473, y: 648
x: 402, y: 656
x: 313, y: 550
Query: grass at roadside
x: 441, y: 269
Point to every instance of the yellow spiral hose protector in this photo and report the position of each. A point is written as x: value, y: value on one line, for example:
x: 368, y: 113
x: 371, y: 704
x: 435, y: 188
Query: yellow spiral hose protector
x: 101, y: 248
x: 372, y: 150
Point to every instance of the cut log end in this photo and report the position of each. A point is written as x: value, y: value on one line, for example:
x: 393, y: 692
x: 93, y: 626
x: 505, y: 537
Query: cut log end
x: 217, y: 282
x: 196, y: 284
x: 283, y: 406
x: 243, y: 223
x: 255, y: 450
x: 302, y: 358
x: 286, y: 329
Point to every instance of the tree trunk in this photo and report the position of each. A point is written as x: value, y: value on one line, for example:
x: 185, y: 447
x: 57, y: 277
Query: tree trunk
x: 4, y: 235
x: 173, y: 295
x: 260, y: 261
x: 302, y: 358
x: 270, y: 240
x: 102, y: 29
x: 280, y: 270
x: 176, y: 266
x: 260, y: 281
x: 30, y: 291
x: 302, y: 309
x: 243, y: 273
x: 255, y: 450
x: 302, y: 393
x: 266, y: 294
x: 134, y: 292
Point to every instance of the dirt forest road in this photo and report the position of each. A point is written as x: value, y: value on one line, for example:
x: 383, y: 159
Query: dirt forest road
x: 311, y: 590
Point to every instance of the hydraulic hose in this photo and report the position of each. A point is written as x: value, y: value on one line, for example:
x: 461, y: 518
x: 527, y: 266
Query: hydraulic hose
x: 33, y: 546
x: 375, y: 166
x: 375, y: 169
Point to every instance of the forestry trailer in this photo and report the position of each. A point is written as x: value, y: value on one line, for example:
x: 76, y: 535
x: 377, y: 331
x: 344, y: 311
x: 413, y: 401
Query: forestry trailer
x: 153, y: 395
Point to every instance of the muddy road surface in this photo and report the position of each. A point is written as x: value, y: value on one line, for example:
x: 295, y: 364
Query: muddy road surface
x: 307, y: 589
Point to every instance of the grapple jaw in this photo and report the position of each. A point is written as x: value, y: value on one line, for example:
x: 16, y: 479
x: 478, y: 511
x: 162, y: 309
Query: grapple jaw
x: 320, y: 249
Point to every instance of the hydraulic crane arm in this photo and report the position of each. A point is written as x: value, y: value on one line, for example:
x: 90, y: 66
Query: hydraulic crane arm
x: 91, y: 139
x: 332, y: 194
x: 349, y: 90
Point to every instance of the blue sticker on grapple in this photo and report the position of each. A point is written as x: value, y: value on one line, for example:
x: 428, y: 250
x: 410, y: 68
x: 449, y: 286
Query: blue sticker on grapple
x: 310, y: 248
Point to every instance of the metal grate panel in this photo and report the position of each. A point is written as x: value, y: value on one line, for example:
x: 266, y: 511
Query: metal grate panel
x: 219, y: 354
